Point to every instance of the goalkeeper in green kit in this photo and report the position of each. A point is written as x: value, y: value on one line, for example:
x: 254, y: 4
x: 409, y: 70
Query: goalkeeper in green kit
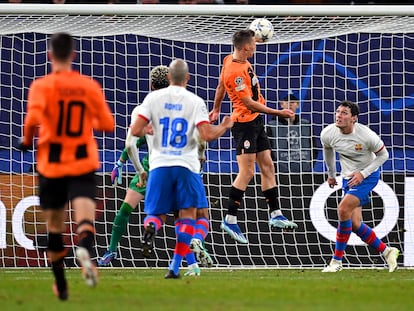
x: 136, y: 193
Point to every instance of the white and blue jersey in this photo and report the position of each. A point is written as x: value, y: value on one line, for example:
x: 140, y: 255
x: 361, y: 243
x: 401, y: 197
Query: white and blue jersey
x: 356, y: 150
x: 356, y: 154
x: 174, y: 182
x: 175, y: 113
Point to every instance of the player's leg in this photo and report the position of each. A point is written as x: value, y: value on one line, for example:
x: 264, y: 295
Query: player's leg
x: 56, y: 250
x: 161, y: 195
x: 346, y: 209
x: 152, y: 223
x: 202, y: 228
x: 368, y: 235
x: 189, y: 192
x: 193, y: 268
x: 82, y: 196
x: 246, y: 164
x: 268, y: 182
x: 185, y: 232
x: 53, y: 194
x: 365, y: 232
x: 133, y: 196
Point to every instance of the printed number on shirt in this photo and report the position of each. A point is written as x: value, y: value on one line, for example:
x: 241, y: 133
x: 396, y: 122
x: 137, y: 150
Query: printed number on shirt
x: 71, y: 120
x: 174, y: 132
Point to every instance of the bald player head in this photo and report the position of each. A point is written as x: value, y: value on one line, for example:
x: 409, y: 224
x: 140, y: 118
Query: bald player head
x: 178, y: 72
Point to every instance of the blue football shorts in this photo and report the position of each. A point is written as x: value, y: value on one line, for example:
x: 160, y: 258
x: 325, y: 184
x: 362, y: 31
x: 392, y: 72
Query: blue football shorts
x: 170, y: 189
x: 363, y: 190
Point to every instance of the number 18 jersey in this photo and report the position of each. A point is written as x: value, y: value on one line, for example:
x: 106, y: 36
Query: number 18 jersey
x: 175, y: 114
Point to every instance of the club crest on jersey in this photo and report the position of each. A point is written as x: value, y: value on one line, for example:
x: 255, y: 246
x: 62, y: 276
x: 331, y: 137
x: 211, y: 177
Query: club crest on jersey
x: 246, y: 144
x: 239, y: 84
x: 358, y: 147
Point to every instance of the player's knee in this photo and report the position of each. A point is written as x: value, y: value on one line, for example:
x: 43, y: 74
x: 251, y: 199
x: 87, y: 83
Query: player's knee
x: 85, y: 226
x: 55, y: 242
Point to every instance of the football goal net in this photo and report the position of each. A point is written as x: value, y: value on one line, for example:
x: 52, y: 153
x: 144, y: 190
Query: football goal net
x: 320, y: 54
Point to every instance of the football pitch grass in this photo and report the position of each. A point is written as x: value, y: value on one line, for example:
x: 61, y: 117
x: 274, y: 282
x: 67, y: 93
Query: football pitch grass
x: 215, y: 289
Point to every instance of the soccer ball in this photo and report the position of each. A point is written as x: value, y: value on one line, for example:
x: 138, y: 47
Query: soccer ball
x: 263, y: 29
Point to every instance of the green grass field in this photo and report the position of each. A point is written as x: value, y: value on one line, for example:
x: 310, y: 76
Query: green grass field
x: 264, y: 289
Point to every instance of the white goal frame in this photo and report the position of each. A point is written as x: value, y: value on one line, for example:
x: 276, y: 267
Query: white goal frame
x: 210, y: 27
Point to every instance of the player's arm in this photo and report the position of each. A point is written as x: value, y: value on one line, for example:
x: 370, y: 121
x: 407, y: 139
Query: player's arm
x: 31, y: 121
x: 138, y: 126
x: 329, y: 156
x: 29, y: 130
x: 380, y: 157
x: 209, y: 132
x: 133, y: 152
x: 202, y: 145
x: 255, y: 106
x: 218, y: 99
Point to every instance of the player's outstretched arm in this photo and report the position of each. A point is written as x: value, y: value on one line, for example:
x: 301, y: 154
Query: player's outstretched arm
x: 258, y: 107
x: 209, y: 132
x: 218, y: 99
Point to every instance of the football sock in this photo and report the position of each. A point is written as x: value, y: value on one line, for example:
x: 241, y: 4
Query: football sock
x: 57, y: 252
x: 155, y: 220
x: 59, y: 273
x: 235, y: 197
x: 184, y: 236
x: 342, y: 236
x: 368, y: 236
x: 202, y: 227
x: 120, y: 225
x: 271, y: 196
x: 87, y: 235
x: 189, y: 256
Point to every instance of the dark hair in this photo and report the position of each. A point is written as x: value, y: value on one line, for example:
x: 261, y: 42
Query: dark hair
x: 159, y: 77
x: 290, y: 98
x: 242, y: 37
x: 352, y: 106
x: 61, y: 45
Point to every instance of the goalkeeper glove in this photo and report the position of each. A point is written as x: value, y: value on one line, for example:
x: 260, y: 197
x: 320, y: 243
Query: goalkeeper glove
x: 116, y: 175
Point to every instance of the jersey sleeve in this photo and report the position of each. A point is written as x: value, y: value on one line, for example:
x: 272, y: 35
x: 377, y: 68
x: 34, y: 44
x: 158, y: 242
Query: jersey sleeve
x: 376, y: 143
x: 144, y: 109
x: 201, y: 113
x: 35, y: 105
x: 324, y: 138
x: 134, y: 115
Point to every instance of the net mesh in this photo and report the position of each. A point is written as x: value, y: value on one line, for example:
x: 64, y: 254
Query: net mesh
x: 323, y: 60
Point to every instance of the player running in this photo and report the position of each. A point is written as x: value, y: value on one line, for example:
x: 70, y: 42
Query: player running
x: 66, y: 107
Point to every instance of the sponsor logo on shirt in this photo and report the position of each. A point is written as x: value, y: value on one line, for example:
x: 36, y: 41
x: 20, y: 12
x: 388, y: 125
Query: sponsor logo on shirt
x: 358, y: 147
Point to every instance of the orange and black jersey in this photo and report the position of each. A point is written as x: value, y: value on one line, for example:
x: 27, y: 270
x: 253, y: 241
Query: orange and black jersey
x: 240, y: 81
x: 67, y: 106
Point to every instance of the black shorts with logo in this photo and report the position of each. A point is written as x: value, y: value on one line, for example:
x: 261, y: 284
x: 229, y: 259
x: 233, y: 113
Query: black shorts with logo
x: 250, y: 137
x: 54, y: 193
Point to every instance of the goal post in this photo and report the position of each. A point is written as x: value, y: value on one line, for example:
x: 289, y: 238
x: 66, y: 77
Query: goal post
x: 322, y: 54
